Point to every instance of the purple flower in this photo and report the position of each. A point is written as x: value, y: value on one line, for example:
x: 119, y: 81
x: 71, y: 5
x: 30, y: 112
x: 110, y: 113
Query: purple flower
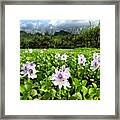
x: 96, y: 61
x: 24, y: 69
x: 29, y: 69
x: 96, y: 55
x: 57, y: 55
x: 64, y: 57
x: 81, y: 59
x: 61, y: 77
x: 30, y: 50
x: 41, y: 51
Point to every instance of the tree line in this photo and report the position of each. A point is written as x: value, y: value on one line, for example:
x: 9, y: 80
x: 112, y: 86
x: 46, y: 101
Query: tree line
x: 87, y: 37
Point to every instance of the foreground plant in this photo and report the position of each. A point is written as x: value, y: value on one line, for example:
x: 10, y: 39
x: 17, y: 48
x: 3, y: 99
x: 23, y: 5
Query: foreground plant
x: 29, y: 69
x: 56, y: 81
x: 60, y: 77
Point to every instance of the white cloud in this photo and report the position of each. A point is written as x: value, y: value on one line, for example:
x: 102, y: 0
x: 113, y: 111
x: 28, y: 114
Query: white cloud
x: 56, y: 22
x: 62, y: 21
x: 34, y: 23
x: 53, y: 22
x: 23, y: 24
x: 83, y: 21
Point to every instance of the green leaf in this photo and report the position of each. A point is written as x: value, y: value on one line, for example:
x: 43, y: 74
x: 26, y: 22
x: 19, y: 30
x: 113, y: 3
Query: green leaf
x: 34, y: 92
x: 98, y: 92
x: 77, y: 82
x: 84, y: 82
x: 46, y: 96
x: 77, y: 96
x: 22, y: 89
x: 91, y: 91
x: 84, y: 90
x: 30, y: 98
x: 53, y: 92
x: 95, y: 86
x: 96, y: 98
x: 28, y: 86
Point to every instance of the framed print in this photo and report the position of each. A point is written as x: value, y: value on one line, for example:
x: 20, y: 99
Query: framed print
x: 60, y: 59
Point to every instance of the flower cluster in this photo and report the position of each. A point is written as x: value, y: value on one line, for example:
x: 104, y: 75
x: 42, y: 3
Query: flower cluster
x: 96, y: 61
x: 63, y: 57
x: 60, y: 77
x: 81, y: 59
x: 29, y: 69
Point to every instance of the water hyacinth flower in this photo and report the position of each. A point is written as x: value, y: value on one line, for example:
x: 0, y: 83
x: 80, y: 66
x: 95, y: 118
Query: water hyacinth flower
x: 41, y: 51
x: 44, y: 49
x: 29, y: 69
x: 32, y: 71
x: 96, y: 56
x: 26, y: 51
x: 24, y: 69
x: 96, y: 61
x: 60, y: 77
x: 30, y: 50
x: 57, y: 55
x: 94, y: 64
x: 64, y: 57
x: 66, y: 70
x: 81, y: 59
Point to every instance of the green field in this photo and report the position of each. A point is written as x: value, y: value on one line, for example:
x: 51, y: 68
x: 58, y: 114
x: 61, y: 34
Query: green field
x: 84, y: 82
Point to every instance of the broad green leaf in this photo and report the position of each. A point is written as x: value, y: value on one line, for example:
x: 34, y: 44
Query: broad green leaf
x: 28, y: 86
x: 22, y: 88
x: 77, y: 96
x: 77, y: 82
x: 91, y: 91
x: 34, y: 92
x: 53, y: 93
x: 30, y: 98
x: 84, y: 82
x: 46, y: 96
x: 84, y: 90
x: 96, y: 98
x: 95, y: 86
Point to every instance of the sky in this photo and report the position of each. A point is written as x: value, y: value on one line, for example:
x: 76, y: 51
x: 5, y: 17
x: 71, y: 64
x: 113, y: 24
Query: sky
x: 53, y: 22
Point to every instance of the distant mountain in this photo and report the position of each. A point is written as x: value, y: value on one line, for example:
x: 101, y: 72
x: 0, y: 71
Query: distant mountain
x: 62, y: 32
x: 54, y: 26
